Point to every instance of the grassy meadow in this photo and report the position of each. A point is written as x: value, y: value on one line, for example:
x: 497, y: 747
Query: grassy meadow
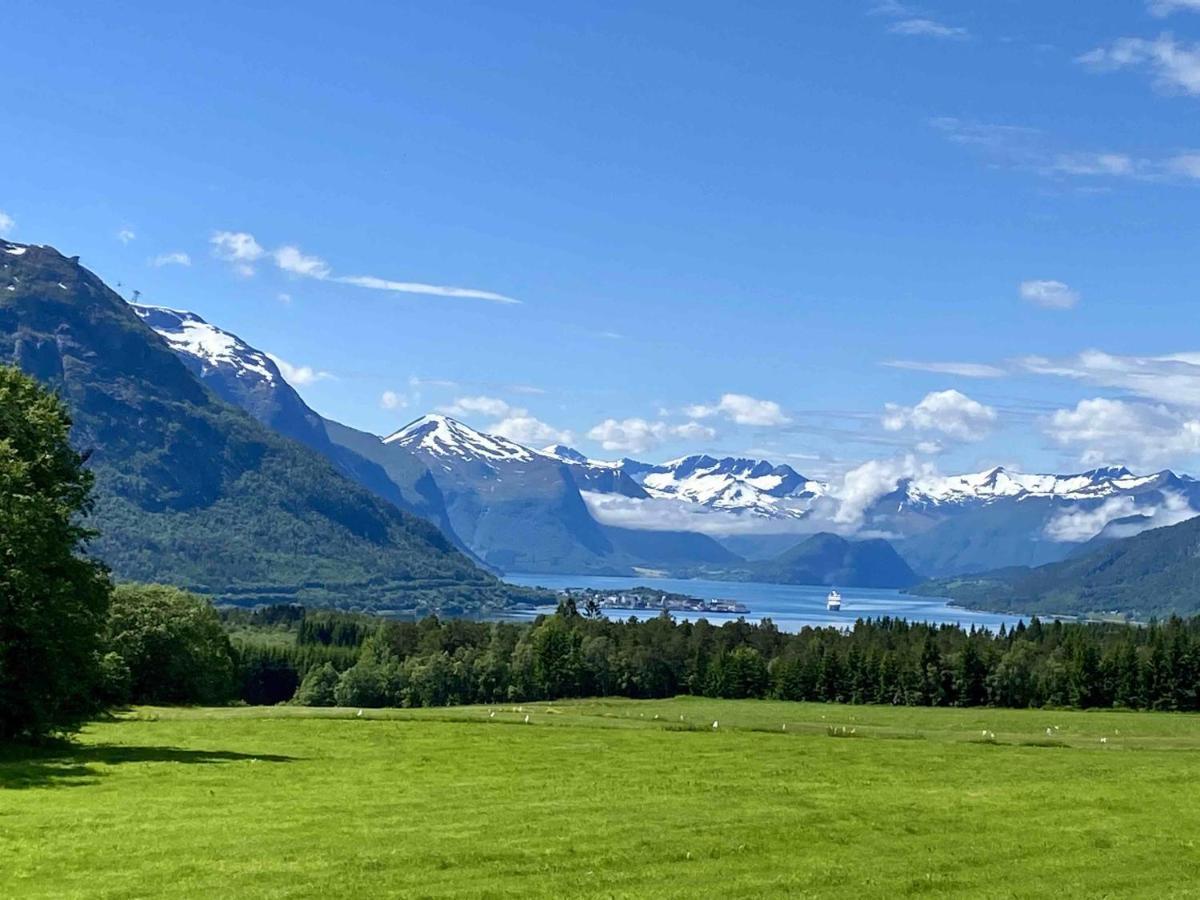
x: 608, y: 798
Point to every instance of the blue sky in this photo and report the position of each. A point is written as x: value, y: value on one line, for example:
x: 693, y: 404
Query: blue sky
x: 940, y: 236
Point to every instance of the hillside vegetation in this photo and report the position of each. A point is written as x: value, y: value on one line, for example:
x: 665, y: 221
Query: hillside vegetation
x: 1155, y: 573
x: 607, y: 798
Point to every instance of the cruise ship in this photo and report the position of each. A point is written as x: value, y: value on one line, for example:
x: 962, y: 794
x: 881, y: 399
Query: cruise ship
x: 833, y: 602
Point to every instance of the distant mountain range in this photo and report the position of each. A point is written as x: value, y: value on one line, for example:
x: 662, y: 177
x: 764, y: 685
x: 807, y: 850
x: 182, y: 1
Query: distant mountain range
x: 169, y: 455
x: 542, y: 511
x: 512, y: 507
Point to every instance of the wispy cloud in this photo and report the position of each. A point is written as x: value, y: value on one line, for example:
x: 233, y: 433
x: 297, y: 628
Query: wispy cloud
x: 1048, y: 294
x: 636, y: 435
x: 1163, y: 8
x: 392, y: 400
x: 243, y: 250
x: 176, y: 258
x: 928, y: 28
x: 415, y: 287
x: 1174, y: 65
x: 1172, y: 378
x: 1029, y: 149
x: 482, y: 405
x: 125, y: 235
x: 961, y: 369
x: 914, y: 21
x: 7, y: 223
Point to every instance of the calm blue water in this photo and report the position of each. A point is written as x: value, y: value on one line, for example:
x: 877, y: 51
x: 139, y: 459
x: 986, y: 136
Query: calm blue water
x: 789, y: 606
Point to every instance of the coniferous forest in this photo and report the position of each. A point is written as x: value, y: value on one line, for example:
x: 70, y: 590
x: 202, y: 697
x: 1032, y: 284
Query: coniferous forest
x: 355, y: 661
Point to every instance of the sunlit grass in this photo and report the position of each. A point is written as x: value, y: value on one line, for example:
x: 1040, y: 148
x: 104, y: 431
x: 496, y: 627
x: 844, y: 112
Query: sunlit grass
x: 608, y: 798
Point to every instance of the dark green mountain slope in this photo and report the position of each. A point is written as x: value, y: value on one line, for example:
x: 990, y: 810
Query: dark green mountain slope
x: 833, y: 560
x: 195, y: 492
x: 1154, y: 573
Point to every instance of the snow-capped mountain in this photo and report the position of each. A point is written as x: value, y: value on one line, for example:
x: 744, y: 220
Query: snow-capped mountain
x: 535, y: 510
x: 998, y: 483
x: 443, y: 437
x: 733, y: 484
x: 746, y: 485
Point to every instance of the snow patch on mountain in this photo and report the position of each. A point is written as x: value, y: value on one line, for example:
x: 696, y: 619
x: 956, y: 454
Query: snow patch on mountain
x: 190, y: 335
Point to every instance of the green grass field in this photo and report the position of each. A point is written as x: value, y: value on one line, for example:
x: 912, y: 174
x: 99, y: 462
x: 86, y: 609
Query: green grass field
x: 608, y: 798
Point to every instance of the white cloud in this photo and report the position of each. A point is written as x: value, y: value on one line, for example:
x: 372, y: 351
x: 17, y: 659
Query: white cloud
x: 863, y: 486
x: 525, y: 429
x: 392, y: 400
x: 639, y: 435
x: 176, y: 258
x: 742, y: 409
x: 1104, y: 431
x: 284, y: 298
x: 243, y: 250
x: 514, y: 423
x: 414, y: 287
x: 681, y: 515
x: 1048, y: 294
x: 238, y: 248
x: 298, y: 376
x: 1173, y: 379
x: 125, y: 235
x: 7, y: 223
x: 1175, y: 65
x: 951, y: 413
x: 927, y: 28
x: 1163, y: 8
x: 292, y: 261
x: 487, y: 406
x: 1075, y: 525
x: 961, y: 369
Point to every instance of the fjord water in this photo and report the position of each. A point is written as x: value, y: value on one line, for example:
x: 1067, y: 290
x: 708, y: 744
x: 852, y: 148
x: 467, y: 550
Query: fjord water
x: 790, y: 606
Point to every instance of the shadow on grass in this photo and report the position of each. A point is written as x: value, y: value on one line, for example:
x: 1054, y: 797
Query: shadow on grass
x: 67, y: 764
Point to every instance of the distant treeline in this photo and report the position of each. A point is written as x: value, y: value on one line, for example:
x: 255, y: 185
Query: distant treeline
x: 434, y: 662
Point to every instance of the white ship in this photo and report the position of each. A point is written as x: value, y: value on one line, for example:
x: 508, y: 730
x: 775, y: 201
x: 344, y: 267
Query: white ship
x: 833, y: 602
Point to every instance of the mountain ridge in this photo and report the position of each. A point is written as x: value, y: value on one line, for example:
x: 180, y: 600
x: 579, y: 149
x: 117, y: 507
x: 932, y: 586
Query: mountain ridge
x: 191, y: 489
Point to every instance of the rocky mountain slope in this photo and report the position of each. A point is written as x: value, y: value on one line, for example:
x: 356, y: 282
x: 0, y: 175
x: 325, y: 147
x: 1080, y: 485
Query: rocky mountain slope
x: 194, y: 491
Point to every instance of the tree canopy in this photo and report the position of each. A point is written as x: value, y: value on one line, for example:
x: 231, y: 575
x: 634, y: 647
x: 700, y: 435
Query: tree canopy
x: 53, y: 598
